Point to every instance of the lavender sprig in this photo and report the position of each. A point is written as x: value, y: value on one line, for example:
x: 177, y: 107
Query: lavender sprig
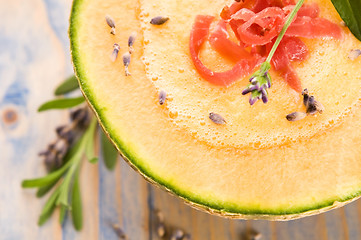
x: 260, y: 81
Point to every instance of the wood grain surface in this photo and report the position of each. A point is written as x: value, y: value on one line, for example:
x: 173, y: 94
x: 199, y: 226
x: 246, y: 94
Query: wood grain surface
x: 34, y: 58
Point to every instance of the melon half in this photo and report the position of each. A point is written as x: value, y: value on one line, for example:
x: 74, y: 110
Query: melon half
x: 258, y: 165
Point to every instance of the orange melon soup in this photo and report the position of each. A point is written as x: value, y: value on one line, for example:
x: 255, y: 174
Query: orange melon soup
x: 182, y: 101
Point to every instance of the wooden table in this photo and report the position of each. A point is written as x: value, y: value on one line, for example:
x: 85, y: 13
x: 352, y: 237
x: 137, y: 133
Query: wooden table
x: 34, y: 58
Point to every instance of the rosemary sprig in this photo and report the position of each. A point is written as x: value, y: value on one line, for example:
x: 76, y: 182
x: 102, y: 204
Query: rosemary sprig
x: 61, y: 103
x: 69, y: 85
x: 260, y: 81
x: 78, y: 140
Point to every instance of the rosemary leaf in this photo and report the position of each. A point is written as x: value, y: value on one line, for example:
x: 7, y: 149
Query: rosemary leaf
x: 44, y: 190
x: 47, y: 180
x: 93, y: 160
x: 69, y: 85
x: 89, y: 150
x: 48, y: 208
x: 61, y: 103
x: 110, y: 154
x: 349, y: 11
x: 62, y: 214
x: 76, y: 206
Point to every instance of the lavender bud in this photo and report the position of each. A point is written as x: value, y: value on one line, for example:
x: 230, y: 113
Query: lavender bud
x: 264, y: 91
x: 51, y: 160
x: 111, y: 23
x: 268, y: 83
x: 131, y: 41
x: 160, y: 216
x: 177, y: 235
x: 159, y: 20
x: 77, y: 114
x: 264, y: 98
x: 354, y: 53
x: 250, y: 88
x: 43, y: 153
x: 246, y: 91
x: 187, y: 237
x: 252, y: 100
x: 126, y: 62
x: 162, y: 97
x: 217, y: 119
x: 161, y: 230
x: 60, y: 130
x: 320, y: 108
x: 118, y: 231
x: 295, y: 116
x: 58, y: 160
x: 62, y: 149
x: 314, y: 107
x: 311, y: 107
x: 115, y: 52
x: 256, y: 236
x: 84, y: 121
x: 305, y: 97
x: 65, y: 133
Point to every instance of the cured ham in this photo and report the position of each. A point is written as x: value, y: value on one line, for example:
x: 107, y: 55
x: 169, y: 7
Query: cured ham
x: 256, y: 25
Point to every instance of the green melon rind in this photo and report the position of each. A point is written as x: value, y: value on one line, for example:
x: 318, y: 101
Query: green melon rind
x: 228, y: 209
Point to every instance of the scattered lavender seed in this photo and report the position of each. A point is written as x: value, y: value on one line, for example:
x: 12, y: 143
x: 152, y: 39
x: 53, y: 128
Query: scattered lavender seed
x: 111, y: 23
x: 131, y: 41
x: 318, y: 107
x: 126, y: 62
x: 295, y: 116
x: 159, y: 20
x: 177, y: 235
x: 162, y: 97
x: 305, y: 97
x: 161, y: 230
x: 115, y: 52
x: 311, y: 106
x: 354, y: 53
x: 256, y: 236
x: 216, y: 118
x: 187, y: 237
x: 119, y: 232
x: 160, y: 216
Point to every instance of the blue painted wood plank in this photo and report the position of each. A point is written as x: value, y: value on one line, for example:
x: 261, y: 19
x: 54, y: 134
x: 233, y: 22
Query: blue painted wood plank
x: 305, y: 228
x: 353, y: 214
x: 31, y: 62
x: 109, y: 200
x: 336, y: 224
x: 134, y: 207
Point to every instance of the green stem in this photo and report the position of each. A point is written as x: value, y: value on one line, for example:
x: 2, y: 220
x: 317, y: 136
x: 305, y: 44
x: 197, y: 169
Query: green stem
x: 284, y: 29
x: 88, y: 136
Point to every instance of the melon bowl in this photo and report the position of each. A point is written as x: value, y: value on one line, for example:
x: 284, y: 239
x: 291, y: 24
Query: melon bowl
x: 256, y: 166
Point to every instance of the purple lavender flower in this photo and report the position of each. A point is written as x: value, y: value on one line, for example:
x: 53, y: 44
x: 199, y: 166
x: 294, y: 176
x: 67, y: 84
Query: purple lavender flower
x: 260, y: 81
